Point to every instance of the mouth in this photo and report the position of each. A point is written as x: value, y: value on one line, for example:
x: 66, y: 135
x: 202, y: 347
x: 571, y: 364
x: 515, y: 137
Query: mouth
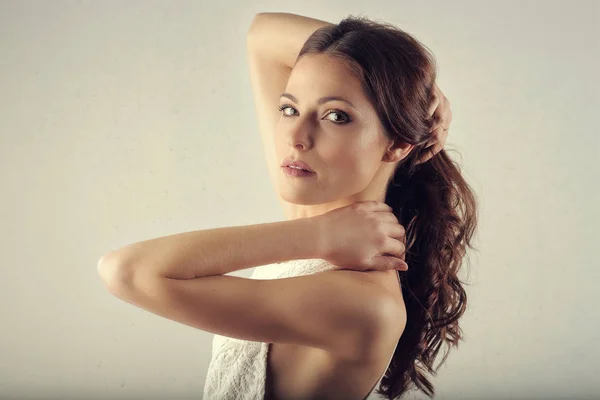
x: 297, y: 172
x: 290, y: 162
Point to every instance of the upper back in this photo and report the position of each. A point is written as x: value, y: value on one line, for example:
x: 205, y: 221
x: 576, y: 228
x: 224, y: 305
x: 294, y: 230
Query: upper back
x: 295, y: 371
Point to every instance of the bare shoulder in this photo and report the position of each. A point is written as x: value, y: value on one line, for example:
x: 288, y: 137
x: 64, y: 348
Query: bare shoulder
x: 380, y: 290
x: 388, y: 284
x: 316, y: 373
x: 388, y: 280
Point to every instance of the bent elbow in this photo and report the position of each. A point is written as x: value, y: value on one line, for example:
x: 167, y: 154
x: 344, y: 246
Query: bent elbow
x: 113, y: 274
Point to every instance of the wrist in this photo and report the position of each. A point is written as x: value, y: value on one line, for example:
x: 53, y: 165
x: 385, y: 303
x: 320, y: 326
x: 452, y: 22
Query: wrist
x: 315, y: 237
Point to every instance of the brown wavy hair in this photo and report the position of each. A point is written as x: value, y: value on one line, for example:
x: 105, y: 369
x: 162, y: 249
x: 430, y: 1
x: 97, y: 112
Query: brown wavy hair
x: 431, y: 200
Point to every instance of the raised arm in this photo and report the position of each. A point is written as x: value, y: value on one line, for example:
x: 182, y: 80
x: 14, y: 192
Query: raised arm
x: 273, y: 43
x: 280, y: 36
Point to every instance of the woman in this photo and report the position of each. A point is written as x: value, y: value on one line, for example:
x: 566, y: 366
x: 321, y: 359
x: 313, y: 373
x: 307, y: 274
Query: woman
x: 326, y: 312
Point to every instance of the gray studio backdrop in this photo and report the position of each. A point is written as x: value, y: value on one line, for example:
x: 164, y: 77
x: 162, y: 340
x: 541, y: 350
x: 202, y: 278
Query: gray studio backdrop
x: 122, y: 121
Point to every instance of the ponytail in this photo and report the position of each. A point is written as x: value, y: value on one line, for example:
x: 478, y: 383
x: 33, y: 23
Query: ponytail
x: 437, y: 208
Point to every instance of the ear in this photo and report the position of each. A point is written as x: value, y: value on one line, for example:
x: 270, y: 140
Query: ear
x: 397, y: 150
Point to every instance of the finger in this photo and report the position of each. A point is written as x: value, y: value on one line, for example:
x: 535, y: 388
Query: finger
x: 433, y: 150
x: 396, y: 231
x: 389, y: 218
x: 385, y: 263
x: 430, y: 152
x: 385, y: 207
x: 439, y: 135
x: 395, y: 248
x: 435, y: 102
x: 442, y: 138
x: 373, y: 205
x: 422, y: 159
x: 439, y: 125
x: 445, y: 131
x: 427, y: 154
x: 432, y: 140
x: 426, y: 150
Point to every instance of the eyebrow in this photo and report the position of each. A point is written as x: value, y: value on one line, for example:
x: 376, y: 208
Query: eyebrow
x: 322, y: 100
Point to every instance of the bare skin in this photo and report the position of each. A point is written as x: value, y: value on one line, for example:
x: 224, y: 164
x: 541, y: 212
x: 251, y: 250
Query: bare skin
x: 352, y: 163
x: 338, y: 344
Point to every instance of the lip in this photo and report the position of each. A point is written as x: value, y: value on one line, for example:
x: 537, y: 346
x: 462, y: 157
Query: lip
x: 297, y: 172
x: 290, y: 162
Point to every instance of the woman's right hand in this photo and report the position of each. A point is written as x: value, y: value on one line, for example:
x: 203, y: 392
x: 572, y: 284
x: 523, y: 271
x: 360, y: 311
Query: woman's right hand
x: 440, y: 110
x: 362, y: 236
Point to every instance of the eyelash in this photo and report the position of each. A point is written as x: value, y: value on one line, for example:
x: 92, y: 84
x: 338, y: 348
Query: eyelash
x: 346, y: 116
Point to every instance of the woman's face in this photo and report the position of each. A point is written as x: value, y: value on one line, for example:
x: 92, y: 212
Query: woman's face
x: 345, y: 145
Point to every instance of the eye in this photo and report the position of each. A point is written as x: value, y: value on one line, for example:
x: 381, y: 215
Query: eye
x: 283, y: 107
x: 343, y: 114
x: 346, y: 120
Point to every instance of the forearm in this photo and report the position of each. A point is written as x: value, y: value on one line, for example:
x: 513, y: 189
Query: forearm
x: 216, y: 251
x: 281, y: 35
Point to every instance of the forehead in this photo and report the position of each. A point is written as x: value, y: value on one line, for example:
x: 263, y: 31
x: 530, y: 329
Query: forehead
x: 317, y: 75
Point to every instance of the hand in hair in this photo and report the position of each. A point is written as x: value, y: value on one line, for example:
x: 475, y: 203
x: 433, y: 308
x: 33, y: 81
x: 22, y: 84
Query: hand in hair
x: 442, y: 116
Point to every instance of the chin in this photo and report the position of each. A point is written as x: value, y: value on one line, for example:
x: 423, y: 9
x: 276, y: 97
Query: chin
x: 294, y: 197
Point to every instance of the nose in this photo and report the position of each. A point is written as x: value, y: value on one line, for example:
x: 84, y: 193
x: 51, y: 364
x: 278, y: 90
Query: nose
x: 299, y: 138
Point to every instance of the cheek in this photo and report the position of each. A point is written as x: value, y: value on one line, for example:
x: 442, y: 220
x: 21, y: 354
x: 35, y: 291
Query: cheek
x: 350, y: 169
x: 359, y: 158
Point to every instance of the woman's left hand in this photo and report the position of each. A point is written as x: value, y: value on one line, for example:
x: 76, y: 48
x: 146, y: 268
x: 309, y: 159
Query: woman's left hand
x: 440, y: 109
